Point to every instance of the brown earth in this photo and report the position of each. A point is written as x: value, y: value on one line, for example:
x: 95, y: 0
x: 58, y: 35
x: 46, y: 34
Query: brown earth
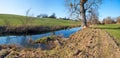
x: 87, y: 43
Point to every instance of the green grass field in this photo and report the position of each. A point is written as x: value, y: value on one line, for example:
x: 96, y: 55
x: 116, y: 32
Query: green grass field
x: 113, y: 29
x: 17, y: 20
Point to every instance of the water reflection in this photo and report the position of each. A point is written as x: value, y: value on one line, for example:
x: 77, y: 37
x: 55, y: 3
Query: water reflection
x: 26, y: 40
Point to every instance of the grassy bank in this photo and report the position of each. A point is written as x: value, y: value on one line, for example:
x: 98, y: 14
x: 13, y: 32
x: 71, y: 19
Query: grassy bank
x: 113, y: 29
x: 16, y: 24
x: 17, y: 20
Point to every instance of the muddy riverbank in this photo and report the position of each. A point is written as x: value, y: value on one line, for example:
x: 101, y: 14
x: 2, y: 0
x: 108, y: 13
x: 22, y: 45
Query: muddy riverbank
x: 30, y: 30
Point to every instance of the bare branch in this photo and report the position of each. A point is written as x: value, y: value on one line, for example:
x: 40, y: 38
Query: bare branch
x: 80, y: 7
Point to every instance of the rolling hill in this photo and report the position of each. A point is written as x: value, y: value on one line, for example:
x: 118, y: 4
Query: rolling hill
x: 18, y: 20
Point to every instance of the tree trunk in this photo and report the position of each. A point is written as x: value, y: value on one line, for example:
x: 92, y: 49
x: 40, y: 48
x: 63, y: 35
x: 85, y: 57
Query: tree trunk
x: 83, y: 15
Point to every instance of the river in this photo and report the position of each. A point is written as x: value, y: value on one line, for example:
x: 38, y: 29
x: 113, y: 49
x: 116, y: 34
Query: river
x: 23, y: 39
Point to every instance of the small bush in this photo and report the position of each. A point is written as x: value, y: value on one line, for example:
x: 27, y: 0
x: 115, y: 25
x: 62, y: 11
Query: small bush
x: 45, y: 40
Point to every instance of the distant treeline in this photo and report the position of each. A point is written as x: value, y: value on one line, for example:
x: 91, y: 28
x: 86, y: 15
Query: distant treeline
x: 51, y: 16
x: 107, y: 20
x: 110, y: 20
x: 46, y: 16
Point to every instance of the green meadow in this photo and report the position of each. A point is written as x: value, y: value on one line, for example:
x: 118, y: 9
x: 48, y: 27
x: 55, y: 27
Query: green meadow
x: 17, y: 20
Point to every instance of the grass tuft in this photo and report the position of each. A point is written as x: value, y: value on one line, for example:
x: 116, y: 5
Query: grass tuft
x: 45, y: 40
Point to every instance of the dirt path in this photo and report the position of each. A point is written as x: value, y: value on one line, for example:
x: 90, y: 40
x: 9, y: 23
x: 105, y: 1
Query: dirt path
x: 94, y: 43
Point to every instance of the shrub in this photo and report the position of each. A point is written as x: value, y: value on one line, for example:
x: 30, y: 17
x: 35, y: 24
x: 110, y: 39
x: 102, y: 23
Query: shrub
x: 45, y: 40
x: 52, y: 16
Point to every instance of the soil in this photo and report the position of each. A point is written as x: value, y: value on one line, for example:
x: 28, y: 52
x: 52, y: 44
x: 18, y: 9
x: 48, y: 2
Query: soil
x: 87, y: 43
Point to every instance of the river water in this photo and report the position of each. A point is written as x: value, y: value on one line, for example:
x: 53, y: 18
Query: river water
x: 23, y: 39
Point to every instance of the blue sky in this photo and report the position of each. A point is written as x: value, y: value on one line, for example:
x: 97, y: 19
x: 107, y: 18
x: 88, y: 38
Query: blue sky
x: 108, y: 8
x: 37, y: 7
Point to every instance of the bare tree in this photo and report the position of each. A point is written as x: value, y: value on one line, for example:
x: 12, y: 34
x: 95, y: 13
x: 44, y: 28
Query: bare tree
x: 27, y: 16
x: 108, y: 20
x: 93, y: 17
x: 81, y: 7
x: 28, y: 19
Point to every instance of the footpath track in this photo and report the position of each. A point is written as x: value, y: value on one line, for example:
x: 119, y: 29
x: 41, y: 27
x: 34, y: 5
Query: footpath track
x: 94, y: 43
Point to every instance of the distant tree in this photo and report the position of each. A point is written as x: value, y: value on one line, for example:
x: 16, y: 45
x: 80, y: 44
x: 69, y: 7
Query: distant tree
x: 42, y: 16
x: 38, y: 16
x: 81, y: 7
x: 108, y: 20
x: 93, y: 16
x: 66, y: 18
x: 118, y: 19
x: 52, y: 16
